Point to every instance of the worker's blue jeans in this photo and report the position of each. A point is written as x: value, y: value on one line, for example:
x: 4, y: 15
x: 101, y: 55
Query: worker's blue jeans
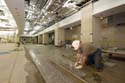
x: 95, y: 58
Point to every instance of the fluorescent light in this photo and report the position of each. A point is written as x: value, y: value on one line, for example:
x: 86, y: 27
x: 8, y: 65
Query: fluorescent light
x: 43, y: 16
x: 49, y: 19
x: 37, y: 27
x: 2, y: 2
x: 8, y: 15
x: 6, y: 25
x: 48, y: 4
x: 26, y: 29
x: 70, y: 5
x: 71, y: 28
x: 46, y: 13
x: 32, y: 32
x: 25, y: 33
x: 44, y: 22
x: 52, y: 11
x: 7, y: 33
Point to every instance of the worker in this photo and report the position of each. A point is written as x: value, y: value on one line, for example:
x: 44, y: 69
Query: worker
x: 87, y: 54
x: 18, y: 44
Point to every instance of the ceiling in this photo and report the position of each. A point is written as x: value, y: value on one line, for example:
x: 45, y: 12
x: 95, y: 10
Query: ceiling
x: 33, y: 16
x: 44, y: 13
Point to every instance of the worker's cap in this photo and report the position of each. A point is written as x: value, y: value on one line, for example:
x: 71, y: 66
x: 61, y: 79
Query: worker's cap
x: 76, y: 44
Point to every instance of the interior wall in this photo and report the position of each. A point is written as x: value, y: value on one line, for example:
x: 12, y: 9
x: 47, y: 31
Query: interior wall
x: 51, y: 38
x: 96, y: 31
x: 114, y: 36
x: 7, y: 38
x: 74, y: 33
x: 26, y: 39
x: 35, y: 40
x: 108, y: 36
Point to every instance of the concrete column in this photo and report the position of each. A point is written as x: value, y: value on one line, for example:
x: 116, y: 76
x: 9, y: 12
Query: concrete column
x: 90, y: 26
x: 86, y: 24
x: 45, y: 38
x: 17, y: 38
x: 59, y: 36
x: 35, y: 40
x: 40, y: 39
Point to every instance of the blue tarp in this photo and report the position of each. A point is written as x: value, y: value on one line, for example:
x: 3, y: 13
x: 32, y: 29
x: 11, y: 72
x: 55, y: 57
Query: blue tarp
x: 1, y: 53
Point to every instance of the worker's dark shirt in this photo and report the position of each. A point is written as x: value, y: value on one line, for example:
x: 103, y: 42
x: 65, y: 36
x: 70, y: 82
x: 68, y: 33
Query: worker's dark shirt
x: 80, y: 50
x: 87, y: 48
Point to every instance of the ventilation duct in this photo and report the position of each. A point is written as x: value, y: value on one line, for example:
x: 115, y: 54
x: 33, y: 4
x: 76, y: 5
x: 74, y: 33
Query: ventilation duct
x: 41, y: 3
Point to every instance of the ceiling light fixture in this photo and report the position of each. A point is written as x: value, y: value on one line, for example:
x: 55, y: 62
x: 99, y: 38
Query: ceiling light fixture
x: 71, y: 28
x: 44, y: 22
x: 37, y: 27
x: 49, y: 18
x: 43, y: 16
x: 46, y: 13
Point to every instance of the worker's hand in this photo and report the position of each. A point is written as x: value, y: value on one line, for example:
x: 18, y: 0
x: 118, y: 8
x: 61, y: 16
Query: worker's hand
x: 76, y: 64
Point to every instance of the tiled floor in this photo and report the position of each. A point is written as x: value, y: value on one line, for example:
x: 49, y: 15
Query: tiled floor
x: 110, y: 74
x: 15, y: 67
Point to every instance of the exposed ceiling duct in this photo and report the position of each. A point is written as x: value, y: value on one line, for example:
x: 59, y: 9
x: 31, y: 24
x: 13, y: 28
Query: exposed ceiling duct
x: 45, y: 13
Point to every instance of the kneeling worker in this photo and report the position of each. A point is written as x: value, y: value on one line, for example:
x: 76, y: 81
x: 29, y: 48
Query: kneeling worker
x: 87, y: 54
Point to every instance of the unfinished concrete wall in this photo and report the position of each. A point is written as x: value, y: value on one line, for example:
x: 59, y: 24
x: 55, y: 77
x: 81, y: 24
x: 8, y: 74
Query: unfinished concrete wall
x: 73, y: 33
x: 96, y: 31
x: 106, y: 36
x: 114, y: 36
x: 51, y: 38
x: 26, y: 39
x: 9, y: 38
x: 35, y: 40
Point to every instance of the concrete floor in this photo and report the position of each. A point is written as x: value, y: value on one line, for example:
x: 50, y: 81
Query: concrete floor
x: 66, y: 57
x: 15, y: 67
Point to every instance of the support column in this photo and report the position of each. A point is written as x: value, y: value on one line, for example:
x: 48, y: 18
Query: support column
x: 40, y: 39
x: 59, y: 36
x: 17, y: 38
x: 45, y: 38
x: 35, y: 40
x: 86, y: 24
x: 90, y: 26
